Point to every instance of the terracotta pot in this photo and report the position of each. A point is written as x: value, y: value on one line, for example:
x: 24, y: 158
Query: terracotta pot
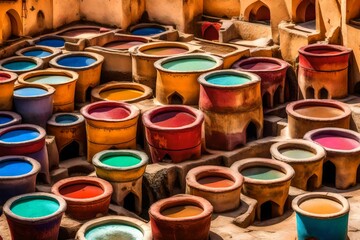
x: 62, y: 81
x: 34, y: 103
x: 34, y: 216
x: 110, y: 125
x: 322, y: 216
x: 221, y: 186
x: 51, y: 41
x: 7, y: 80
x: 192, y: 213
x: 173, y: 131
x: 177, y: 77
x: 17, y: 176
x: 86, y: 64
x: 226, y: 122
x: 43, y: 52
x: 21, y: 64
x: 86, y: 197
x: 8, y: 119
x: 272, y: 72
x: 267, y: 181
x: 115, y: 227
x: 305, y: 157
x: 306, y: 115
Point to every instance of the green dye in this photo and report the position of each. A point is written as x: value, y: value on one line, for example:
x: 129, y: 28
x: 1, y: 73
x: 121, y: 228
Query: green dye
x: 120, y: 160
x: 113, y: 231
x: 262, y: 173
x: 189, y: 64
x: 296, y: 153
x: 49, y: 79
x: 34, y: 207
x: 227, y: 80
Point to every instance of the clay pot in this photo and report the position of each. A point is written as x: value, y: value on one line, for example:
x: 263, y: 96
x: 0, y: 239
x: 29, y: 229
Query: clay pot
x: 17, y: 176
x: 34, y: 103
x: 306, y: 115
x: 8, y: 119
x: 86, y: 64
x: 342, y: 149
x: 305, y: 157
x: 110, y: 125
x: 62, y: 81
x: 323, y: 71
x: 7, y: 80
x: 173, y: 131
x: 221, y: 186
x: 86, y: 197
x: 272, y: 72
x: 176, y: 82
x: 322, y: 216
x: 45, y: 53
x: 119, y: 226
x: 21, y: 64
x: 171, y: 227
x: 42, y: 222
x: 267, y: 181
x: 51, y: 41
x: 226, y: 122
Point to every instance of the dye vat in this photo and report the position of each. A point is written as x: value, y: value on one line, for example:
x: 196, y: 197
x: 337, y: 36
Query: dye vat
x: 34, y: 216
x: 221, y: 186
x: 147, y: 30
x: 86, y: 197
x: 110, y: 125
x: 8, y: 119
x: 169, y: 217
x: 45, y: 53
x: 267, y: 181
x: 227, y: 122
x: 322, y: 216
x: 177, y: 77
x: 83, y: 32
x: 55, y: 42
x: 21, y: 64
x: 306, y: 115
x: 179, y: 129
x: 7, y: 80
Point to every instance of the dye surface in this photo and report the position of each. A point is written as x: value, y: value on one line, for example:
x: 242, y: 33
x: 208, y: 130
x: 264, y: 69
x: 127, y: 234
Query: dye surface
x: 4, y: 77
x: 122, y: 45
x: 5, y: 119
x: 173, y: 119
x: 76, y: 61
x: 319, y: 112
x: 34, y: 207
x: 227, y: 80
x: 49, y: 79
x: 159, y: 51
x: 19, y: 135
x: 81, y: 190
x: 19, y: 65
x: 147, y: 31
x: 262, y: 173
x: 58, y: 43
x: 66, y: 119
x: 29, y: 92
x: 114, y: 231
x: 14, y: 168
x: 189, y: 64
x: 321, y: 206
x: 37, y: 53
x: 215, y: 182
x: 109, y: 113
x: 323, y: 51
x: 182, y: 211
x: 81, y: 33
x: 296, y: 153
x: 260, y: 66
x: 336, y: 142
x: 121, y: 94
x: 120, y: 161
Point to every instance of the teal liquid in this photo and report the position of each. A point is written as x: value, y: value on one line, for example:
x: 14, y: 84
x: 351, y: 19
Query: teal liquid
x: 114, y: 231
x: 66, y: 119
x: 29, y: 92
x: 19, y: 65
x: 49, y: 79
x: 34, y: 207
x: 262, y: 173
x: 37, y: 53
x: 120, y: 161
x: 189, y: 64
x: 227, y: 80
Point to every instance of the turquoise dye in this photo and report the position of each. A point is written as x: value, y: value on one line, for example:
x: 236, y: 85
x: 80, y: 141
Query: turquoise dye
x: 49, y: 79
x: 29, y: 92
x: 19, y: 135
x: 37, y: 53
x: 148, y: 31
x: 76, y: 61
x: 14, y: 168
x: 189, y: 64
x: 5, y: 119
x: 34, y: 207
x: 66, y: 119
x: 114, y: 231
x: 58, y: 43
x: 19, y: 65
x: 227, y: 80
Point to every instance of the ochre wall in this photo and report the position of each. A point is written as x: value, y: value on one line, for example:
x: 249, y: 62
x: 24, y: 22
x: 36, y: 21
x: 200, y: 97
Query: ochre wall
x: 39, y: 17
x: 65, y: 11
x: 10, y: 12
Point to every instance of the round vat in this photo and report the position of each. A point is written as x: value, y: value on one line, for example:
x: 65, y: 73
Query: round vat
x: 114, y: 227
x: 177, y: 81
x: 86, y: 197
x: 45, y: 53
x: 121, y: 92
x: 55, y: 42
x: 322, y: 216
x: 305, y: 157
x: 34, y: 103
x: 342, y: 150
x: 8, y: 119
x: 63, y: 81
x: 272, y: 72
x: 83, y: 32
x: 226, y: 122
x: 17, y: 176
x: 86, y: 64
x: 169, y: 217
x: 21, y: 64
x: 221, y: 186
x: 149, y: 30
x: 7, y: 80
x: 110, y: 125
x: 34, y: 216
x: 173, y: 131
x: 306, y: 115
x: 267, y: 181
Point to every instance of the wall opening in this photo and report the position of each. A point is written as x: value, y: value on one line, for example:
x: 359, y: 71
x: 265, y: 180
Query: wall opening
x: 12, y: 26
x: 306, y: 12
x: 323, y: 94
x: 311, y: 182
x: 71, y: 150
x: 269, y: 210
x: 40, y: 20
x: 175, y: 98
x: 329, y: 174
x: 310, y: 93
x: 130, y: 202
x: 258, y: 12
x: 251, y: 132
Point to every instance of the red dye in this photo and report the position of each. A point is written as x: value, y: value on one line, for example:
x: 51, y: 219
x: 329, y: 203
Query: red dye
x: 261, y: 66
x: 81, y: 190
x: 216, y: 182
x: 173, y: 119
x: 324, y: 51
x: 109, y: 113
x: 336, y: 142
x: 4, y: 77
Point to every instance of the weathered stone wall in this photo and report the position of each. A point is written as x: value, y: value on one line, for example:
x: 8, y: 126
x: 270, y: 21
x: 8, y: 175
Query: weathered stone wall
x: 65, y: 11
x: 39, y: 17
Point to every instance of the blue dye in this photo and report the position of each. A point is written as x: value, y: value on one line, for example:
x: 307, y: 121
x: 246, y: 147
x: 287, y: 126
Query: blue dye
x: 227, y: 80
x: 19, y: 135
x: 37, y: 53
x: 147, y: 31
x: 76, y: 61
x: 19, y: 65
x: 58, y: 43
x: 66, y: 119
x: 14, y: 168
x: 5, y: 119
x: 29, y: 92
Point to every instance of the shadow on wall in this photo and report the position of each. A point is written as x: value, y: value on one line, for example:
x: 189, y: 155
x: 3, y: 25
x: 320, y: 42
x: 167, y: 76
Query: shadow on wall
x: 258, y: 12
x: 12, y: 26
x: 305, y: 11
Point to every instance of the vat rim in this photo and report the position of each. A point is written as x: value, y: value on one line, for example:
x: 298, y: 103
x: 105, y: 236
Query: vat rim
x: 12, y: 77
x: 342, y: 50
x: 39, y: 63
x: 40, y: 130
x: 73, y: 76
x: 283, y: 65
x: 52, y: 120
x: 49, y: 91
x: 36, y: 167
x: 99, y: 59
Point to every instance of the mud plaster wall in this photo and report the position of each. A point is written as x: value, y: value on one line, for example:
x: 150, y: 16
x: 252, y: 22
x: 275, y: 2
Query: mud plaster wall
x: 38, y: 17
x: 65, y: 11
x: 10, y: 19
